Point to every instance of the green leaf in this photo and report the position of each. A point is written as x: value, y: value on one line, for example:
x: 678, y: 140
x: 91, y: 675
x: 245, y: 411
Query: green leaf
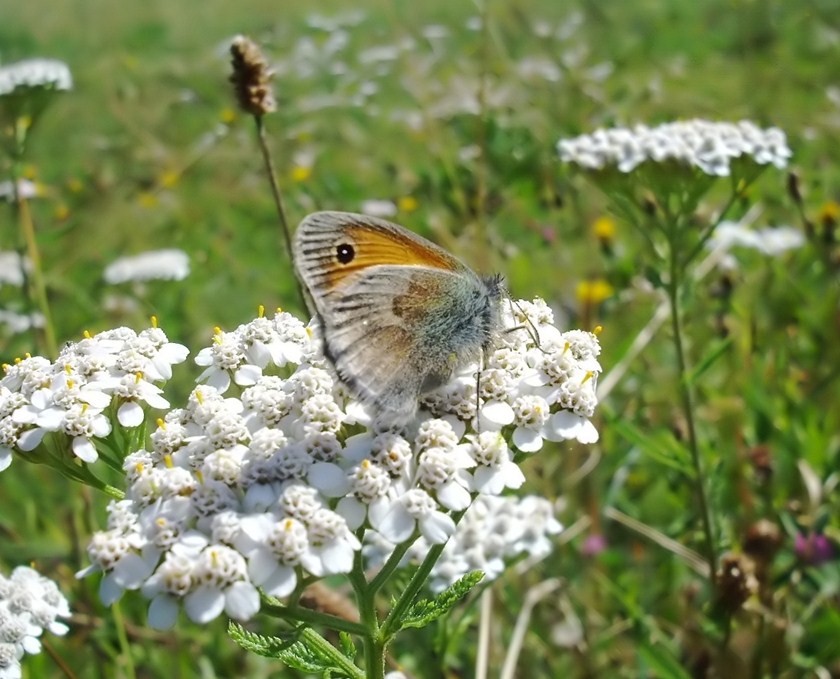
x: 347, y: 645
x: 717, y: 350
x: 266, y: 646
x: 290, y: 649
x: 425, y: 611
x: 662, y: 661
x: 659, y: 446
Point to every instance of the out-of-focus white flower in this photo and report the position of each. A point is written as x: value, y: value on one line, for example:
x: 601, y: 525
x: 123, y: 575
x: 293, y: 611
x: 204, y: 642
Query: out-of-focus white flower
x: 379, y: 53
x: 310, y: 56
x: 330, y: 24
x: 434, y: 32
x: 26, y: 189
x: 379, y: 208
x: 771, y: 241
x: 534, y: 68
x: 493, y: 532
x: 20, y: 323
x: 709, y: 146
x: 280, y: 475
x: 29, y: 604
x: 474, y: 23
x: 13, y: 266
x: 35, y: 73
x: 163, y: 265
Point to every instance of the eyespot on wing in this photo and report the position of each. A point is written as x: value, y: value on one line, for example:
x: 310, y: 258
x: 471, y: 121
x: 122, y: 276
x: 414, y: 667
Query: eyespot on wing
x: 331, y: 247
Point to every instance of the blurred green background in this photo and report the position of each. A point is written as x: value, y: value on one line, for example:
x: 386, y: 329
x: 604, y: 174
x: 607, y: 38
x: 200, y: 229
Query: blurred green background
x: 451, y: 111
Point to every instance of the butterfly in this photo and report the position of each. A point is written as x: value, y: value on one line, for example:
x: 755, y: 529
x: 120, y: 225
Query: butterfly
x: 398, y: 315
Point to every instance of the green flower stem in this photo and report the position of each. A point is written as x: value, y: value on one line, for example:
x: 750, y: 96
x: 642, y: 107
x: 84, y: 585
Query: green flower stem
x: 27, y: 227
x: 377, y: 636
x: 704, y: 237
x: 83, y: 475
x: 312, y: 617
x: 687, y: 398
x: 392, y: 622
x: 390, y: 566
x: 55, y: 451
x: 374, y: 648
x: 314, y: 640
x: 372, y: 641
x: 127, y: 661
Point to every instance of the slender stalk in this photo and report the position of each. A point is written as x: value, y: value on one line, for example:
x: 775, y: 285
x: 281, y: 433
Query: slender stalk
x: 390, y: 566
x: 689, y: 556
x: 646, y: 334
x: 392, y: 622
x: 39, y: 287
x: 58, y: 660
x: 687, y: 402
x: 314, y: 618
x: 483, y: 652
x: 372, y: 641
x: 707, y: 233
x: 278, y: 199
x: 125, y: 646
x: 534, y: 595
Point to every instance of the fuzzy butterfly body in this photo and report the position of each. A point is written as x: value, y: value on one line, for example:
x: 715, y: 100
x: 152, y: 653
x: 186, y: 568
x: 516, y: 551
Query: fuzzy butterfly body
x: 398, y: 314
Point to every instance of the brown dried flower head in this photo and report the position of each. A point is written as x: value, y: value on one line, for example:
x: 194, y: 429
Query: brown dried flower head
x: 251, y: 77
x: 736, y: 582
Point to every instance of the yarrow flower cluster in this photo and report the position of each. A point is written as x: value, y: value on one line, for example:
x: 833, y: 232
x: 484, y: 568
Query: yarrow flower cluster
x: 708, y: 146
x: 29, y: 604
x: 283, y: 481
x: 26, y: 89
x: 71, y: 396
x: 493, y: 532
x: 35, y: 73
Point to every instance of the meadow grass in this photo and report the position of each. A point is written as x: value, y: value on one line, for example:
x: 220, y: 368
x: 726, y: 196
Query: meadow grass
x: 457, y: 125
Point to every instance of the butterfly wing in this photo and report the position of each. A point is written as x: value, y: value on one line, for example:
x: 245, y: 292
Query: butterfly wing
x: 376, y: 342
x: 331, y: 247
x: 382, y: 295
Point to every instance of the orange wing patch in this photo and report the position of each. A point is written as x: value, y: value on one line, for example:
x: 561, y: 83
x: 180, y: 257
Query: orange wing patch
x: 375, y: 247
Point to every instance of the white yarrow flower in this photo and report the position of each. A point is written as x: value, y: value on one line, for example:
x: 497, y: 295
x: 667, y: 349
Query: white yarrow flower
x: 26, y: 189
x: 35, y: 73
x: 29, y: 605
x: 271, y: 472
x: 71, y: 396
x: 770, y: 241
x: 379, y: 208
x: 709, y: 146
x: 163, y: 265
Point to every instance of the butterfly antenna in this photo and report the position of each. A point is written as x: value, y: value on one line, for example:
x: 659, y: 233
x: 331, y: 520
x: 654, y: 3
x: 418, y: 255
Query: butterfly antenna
x: 478, y: 390
x: 528, y: 325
